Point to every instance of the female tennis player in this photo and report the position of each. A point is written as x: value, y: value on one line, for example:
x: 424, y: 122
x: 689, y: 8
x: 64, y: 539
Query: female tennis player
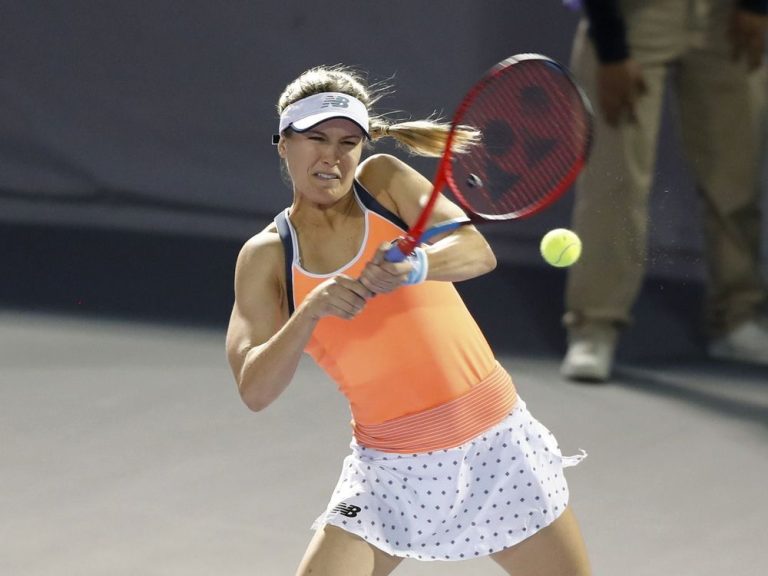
x: 446, y: 462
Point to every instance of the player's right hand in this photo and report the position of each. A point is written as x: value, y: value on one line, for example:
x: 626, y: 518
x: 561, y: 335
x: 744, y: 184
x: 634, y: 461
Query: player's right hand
x: 340, y: 296
x: 381, y: 276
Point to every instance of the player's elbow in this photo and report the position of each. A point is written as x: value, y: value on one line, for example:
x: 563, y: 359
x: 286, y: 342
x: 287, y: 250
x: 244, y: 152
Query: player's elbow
x: 481, y: 263
x: 253, y: 393
x: 487, y: 259
x: 255, y: 406
x: 477, y: 251
x: 489, y: 265
x: 254, y: 401
x: 491, y: 262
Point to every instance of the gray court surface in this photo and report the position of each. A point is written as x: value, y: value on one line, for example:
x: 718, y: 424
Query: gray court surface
x: 125, y: 451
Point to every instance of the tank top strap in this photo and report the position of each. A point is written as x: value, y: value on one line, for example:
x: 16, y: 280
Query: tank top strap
x: 370, y: 203
x: 286, y: 237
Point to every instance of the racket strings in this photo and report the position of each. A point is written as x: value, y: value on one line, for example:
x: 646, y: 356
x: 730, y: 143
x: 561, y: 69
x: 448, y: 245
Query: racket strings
x: 535, y: 135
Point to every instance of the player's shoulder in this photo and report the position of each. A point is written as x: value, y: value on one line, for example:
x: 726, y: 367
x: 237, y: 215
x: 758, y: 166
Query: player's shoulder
x: 262, y: 249
x: 380, y: 167
x: 383, y: 175
x: 260, y: 274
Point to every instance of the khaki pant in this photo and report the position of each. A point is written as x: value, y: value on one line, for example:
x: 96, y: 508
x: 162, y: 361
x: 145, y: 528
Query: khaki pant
x: 686, y: 41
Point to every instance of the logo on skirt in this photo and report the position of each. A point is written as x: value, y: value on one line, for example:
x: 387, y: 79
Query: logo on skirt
x: 348, y: 510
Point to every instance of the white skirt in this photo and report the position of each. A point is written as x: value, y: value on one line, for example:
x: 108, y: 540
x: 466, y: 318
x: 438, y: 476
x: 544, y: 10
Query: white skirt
x: 472, y: 500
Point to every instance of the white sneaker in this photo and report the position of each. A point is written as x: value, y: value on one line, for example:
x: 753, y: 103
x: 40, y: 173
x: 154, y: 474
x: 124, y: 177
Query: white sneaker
x: 747, y: 343
x: 590, y: 355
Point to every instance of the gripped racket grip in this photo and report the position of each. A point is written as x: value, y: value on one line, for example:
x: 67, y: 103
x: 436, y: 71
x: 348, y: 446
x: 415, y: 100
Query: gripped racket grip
x: 394, y: 254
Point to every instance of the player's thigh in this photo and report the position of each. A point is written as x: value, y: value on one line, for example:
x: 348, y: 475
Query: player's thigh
x: 557, y: 550
x: 336, y: 552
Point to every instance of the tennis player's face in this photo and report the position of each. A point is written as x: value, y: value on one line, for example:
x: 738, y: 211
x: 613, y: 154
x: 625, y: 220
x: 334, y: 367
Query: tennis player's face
x: 322, y: 161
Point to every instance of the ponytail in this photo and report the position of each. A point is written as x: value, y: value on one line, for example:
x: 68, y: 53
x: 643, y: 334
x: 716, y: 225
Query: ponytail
x: 425, y: 137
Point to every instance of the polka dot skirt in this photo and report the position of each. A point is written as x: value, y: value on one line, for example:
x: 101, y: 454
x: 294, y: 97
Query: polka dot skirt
x: 463, y: 502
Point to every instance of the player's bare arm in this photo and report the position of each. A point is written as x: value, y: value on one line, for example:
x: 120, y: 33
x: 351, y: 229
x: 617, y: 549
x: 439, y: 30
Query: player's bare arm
x: 264, y: 345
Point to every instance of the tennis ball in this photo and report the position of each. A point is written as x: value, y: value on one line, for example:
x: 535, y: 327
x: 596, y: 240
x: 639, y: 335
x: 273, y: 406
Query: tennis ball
x: 560, y: 247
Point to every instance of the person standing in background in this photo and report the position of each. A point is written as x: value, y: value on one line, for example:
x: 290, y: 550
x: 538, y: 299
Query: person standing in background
x: 760, y: 97
x: 623, y: 54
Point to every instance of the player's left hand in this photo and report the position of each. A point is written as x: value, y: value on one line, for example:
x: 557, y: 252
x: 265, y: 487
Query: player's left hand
x: 381, y: 276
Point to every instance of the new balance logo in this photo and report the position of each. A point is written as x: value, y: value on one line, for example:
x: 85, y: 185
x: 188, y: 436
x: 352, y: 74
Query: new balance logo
x: 335, y: 101
x: 347, y: 510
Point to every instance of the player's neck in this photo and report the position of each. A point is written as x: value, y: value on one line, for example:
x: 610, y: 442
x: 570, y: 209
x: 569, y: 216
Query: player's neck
x: 328, y: 237
x: 305, y: 212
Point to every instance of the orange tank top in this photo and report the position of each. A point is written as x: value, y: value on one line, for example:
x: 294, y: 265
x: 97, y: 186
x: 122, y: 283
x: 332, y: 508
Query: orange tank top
x: 409, y: 351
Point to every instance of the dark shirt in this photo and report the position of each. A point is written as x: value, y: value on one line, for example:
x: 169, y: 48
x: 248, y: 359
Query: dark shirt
x: 609, y: 33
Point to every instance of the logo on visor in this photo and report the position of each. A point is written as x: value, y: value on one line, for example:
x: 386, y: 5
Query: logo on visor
x: 336, y: 102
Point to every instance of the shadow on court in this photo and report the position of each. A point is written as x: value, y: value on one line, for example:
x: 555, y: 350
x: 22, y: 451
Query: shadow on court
x: 735, y: 391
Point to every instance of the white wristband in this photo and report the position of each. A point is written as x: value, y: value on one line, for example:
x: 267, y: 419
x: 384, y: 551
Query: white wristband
x: 419, y: 266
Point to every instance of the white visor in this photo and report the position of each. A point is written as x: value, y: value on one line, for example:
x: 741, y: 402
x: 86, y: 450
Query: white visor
x: 310, y: 111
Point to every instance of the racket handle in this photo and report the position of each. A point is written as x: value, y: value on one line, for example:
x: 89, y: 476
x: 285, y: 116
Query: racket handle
x: 403, y: 247
x: 395, y: 253
x: 443, y: 227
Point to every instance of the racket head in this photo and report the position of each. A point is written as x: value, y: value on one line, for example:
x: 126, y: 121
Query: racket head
x: 536, y: 126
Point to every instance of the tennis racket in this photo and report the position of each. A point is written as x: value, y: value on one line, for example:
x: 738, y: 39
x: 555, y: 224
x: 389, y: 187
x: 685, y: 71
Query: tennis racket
x: 536, y: 130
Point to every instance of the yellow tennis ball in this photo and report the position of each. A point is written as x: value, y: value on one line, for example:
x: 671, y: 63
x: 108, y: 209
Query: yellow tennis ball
x: 560, y: 247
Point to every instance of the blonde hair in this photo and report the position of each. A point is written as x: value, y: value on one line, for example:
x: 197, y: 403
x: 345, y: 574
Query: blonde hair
x: 422, y: 137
